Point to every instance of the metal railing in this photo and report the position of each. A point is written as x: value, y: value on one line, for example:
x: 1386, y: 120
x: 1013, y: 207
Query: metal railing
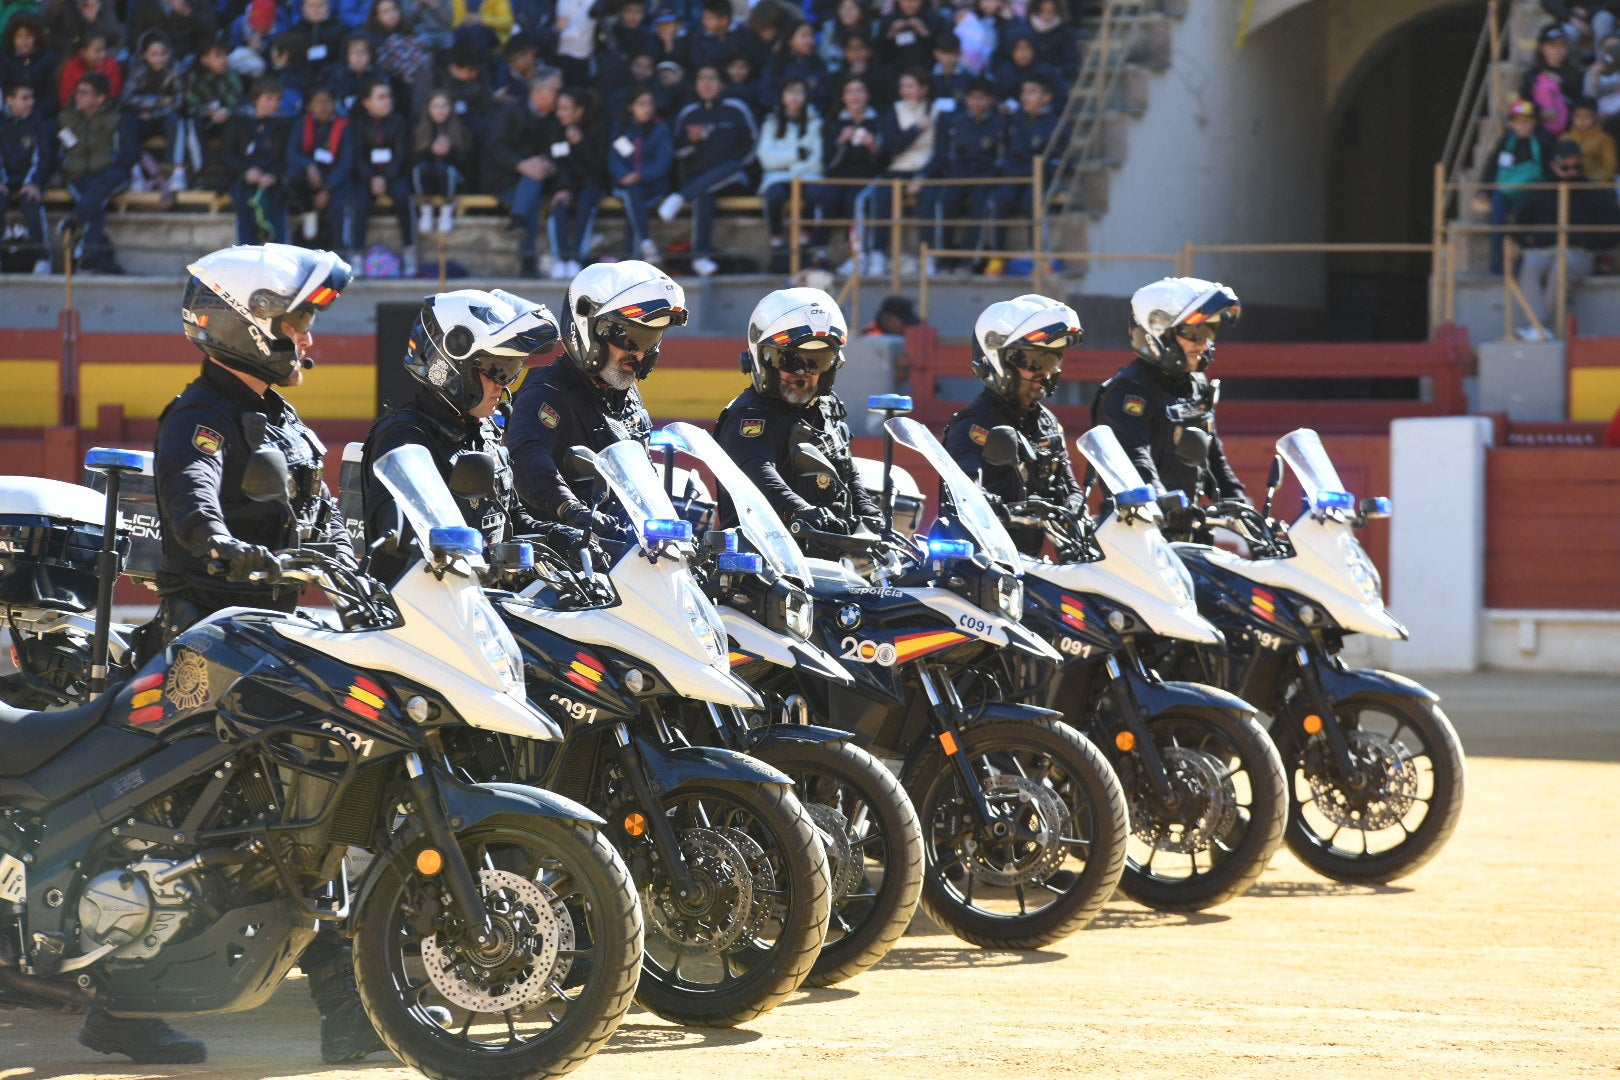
x: 1481, y: 95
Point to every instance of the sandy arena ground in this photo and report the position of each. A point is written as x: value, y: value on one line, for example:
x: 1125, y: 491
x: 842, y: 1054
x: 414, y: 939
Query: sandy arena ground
x: 1499, y: 959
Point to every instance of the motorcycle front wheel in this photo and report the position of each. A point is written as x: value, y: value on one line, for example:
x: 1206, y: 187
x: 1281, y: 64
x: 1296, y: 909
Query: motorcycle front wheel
x: 1050, y: 856
x: 536, y: 1001
x: 875, y: 850
x: 1400, y: 807
x: 750, y: 934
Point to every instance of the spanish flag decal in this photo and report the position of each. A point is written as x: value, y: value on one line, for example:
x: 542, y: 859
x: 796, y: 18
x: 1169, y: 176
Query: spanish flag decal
x: 1074, y: 612
x: 365, y: 699
x: 585, y: 672
x: 908, y: 647
x: 1264, y: 604
x: 146, y: 704
x: 739, y: 658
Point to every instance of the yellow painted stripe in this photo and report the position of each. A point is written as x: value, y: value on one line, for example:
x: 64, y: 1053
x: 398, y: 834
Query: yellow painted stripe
x: 367, y: 696
x: 699, y: 392
x: 589, y: 672
x: 1078, y: 613
x: 31, y: 397
x: 739, y: 658
x: 1594, y: 393
x: 1267, y: 604
x: 146, y: 697
x: 918, y: 646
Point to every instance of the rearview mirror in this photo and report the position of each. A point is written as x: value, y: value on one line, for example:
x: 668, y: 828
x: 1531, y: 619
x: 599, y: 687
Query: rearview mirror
x: 473, y: 474
x: 1001, y: 445
x: 265, y: 477
x: 1274, y: 477
x: 808, y: 461
x: 580, y: 464
x: 1192, y: 446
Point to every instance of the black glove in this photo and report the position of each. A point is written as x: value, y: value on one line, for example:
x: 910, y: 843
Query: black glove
x: 242, y: 560
x: 1183, y: 521
x: 818, y: 518
x: 579, y: 516
x: 999, y: 505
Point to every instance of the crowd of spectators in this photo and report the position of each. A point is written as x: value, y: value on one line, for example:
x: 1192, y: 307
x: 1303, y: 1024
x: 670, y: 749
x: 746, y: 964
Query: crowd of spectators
x: 308, y: 113
x: 1562, y: 128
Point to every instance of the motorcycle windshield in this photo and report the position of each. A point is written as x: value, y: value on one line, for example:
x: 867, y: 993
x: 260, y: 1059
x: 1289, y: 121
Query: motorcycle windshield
x: 629, y: 473
x: 972, y: 508
x: 1114, y: 467
x: 758, y: 522
x: 1302, y: 449
x: 411, y: 477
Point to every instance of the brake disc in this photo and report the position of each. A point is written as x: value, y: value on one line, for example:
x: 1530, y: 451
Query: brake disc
x: 1208, y: 807
x: 1386, y: 799
x: 764, y: 876
x: 842, y: 861
x: 718, y: 915
x: 1038, y: 857
x: 516, y: 967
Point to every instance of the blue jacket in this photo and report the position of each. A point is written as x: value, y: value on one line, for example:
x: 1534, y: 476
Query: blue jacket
x: 732, y: 134
x: 652, y: 154
x: 1030, y: 137
x: 966, y: 147
x: 26, y: 150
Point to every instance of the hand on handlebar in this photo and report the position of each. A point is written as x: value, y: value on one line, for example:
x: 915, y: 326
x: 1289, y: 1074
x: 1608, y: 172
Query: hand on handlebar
x: 1184, y: 520
x: 579, y: 516
x: 820, y: 519
x: 242, y: 562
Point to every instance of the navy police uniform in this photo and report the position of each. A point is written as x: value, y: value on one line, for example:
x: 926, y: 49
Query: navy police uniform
x: 1049, y: 477
x: 204, y: 439
x: 1148, y: 408
x: 557, y: 408
x: 758, y: 433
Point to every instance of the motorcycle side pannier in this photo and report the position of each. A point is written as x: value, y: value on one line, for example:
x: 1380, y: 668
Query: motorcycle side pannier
x: 138, y: 520
x: 50, y: 533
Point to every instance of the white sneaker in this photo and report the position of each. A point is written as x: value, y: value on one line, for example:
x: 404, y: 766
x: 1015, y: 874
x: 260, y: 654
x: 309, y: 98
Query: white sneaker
x: 356, y: 261
x: 671, y: 206
x: 1530, y: 333
x: 407, y: 261
x: 933, y: 266
x: 43, y: 266
x: 649, y: 250
x: 704, y: 266
x: 137, y: 179
x: 558, y: 270
x: 447, y: 218
x: 424, y: 221
x: 877, y: 264
x: 177, y: 179
x: 908, y: 266
x: 847, y: 267
x: 311, y: 225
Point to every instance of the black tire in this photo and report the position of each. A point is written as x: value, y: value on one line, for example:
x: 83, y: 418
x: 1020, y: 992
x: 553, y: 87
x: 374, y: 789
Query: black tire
x: 589, y: 879
x: 1237, y: 830
x: 872, y: 914
x: 775, y: 959
x: 1090, y: 849
x: 1431, y: 747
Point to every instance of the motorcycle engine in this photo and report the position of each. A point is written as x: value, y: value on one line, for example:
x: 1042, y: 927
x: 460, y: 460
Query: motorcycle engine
x: 134, y: 909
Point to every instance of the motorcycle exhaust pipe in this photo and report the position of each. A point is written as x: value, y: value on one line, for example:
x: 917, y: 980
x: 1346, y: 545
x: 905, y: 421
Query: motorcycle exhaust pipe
x: 795, y: 709
x: 33, y: 986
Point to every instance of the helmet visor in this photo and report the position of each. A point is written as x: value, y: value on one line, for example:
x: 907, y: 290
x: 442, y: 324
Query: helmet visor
x: 1217, y: 309
x: 299, y: 320
x: 500, y: 370
x: 1038, y: 359
x: 632, y: 337
x: 801, y: 351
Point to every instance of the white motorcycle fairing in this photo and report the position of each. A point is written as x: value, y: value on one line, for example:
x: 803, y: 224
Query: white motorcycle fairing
x: 969, y: 618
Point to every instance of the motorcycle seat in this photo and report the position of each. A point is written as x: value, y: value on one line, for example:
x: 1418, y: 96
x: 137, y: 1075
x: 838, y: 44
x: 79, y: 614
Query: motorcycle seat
x: 30, y: 739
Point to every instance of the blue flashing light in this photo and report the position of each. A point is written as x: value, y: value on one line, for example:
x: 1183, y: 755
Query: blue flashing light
x: 456, y: 540
x: 666, y: 529
x: 1381, y: 507
x: 731, y: 540
x: 665, y: 440
x: 1136, y: 496
x: 525, y: 556
x: 944, y: 548
x: 109, y: 459
x: 739, y: 562
x: 1176, y: 498
x: 889, y: 403
x: 1334, y: 500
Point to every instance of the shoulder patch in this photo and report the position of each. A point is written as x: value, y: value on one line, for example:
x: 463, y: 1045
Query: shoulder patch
x: 549, y: 417
x: 751, y: 428
x: 1134, y: 405
x: 207, y: 440
x: 978, y: 434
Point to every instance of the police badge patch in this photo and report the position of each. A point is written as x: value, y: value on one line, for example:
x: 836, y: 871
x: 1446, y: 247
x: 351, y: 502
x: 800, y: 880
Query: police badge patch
x: 207, y: 440
x: 823, y: 481
x: 1134, y: 405
x: 751, y: 428
x: 548, y: 416
x: 187, y: 684
x: 978, y: 434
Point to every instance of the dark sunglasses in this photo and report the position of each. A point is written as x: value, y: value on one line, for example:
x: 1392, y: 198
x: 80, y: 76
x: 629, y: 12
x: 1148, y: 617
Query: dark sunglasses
x: 1038, y: 361
x: 628, y: 336
x: 1201, y: 334
x: 500, y: 370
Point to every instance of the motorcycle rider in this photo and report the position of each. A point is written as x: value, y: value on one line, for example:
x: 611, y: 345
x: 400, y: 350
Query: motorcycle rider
x: 467, y: 349
x: 249, y: 309
x: 1153, y: 399
x: 1019, y: 359
x: 795, y: 343
x: 616, y: 318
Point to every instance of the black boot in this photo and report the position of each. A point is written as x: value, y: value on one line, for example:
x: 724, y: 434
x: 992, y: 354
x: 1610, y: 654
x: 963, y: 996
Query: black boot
x: 346, y: 1031
x: 149, y: 1042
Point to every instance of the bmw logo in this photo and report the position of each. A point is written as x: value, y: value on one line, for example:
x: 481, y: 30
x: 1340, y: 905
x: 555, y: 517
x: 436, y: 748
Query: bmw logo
x: 849, y: 616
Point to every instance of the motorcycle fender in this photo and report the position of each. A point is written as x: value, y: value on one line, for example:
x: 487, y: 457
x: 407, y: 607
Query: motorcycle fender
x: 779, y: 734
x: 1341, y: 683
x: 1170, y: 696
x: 669, y: 767
x: 819, y: 663
x: 1012, y: 712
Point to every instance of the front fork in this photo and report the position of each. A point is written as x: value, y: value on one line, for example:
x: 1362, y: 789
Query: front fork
x: 945, y: 709
x: 663, y: 833
x: 1132, y: 720
x: 1321, y: 706
x: 458, y: 875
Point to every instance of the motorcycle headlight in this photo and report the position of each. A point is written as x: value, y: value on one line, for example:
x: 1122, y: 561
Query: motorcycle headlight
x: 798, y: 613
x: 1362, y: 570
x: 1172, y: 572
x: 499, y: 648
x: 704, y: 622
x: 1010, y: 597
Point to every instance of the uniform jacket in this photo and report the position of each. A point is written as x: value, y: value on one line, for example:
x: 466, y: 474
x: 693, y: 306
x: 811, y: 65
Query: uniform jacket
x: 966, y: 147
x: 375, y: 138
x: 204, y: 439
x: 557, y: 408
x: 329, y: 147
x: 255, y: 142
x: 652, y: 154
x: 846, y: 159
x: 1147, y: 407
x: 730, y: 141
x: 27, y: 150
x: 758, y: 433
x: 1030, y: 137
x: 1050, y: 477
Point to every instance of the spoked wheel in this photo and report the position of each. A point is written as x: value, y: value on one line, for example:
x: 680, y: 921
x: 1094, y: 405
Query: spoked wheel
x: 1053, y: 851
x: 542, y: 994
x: 1398, y: 808
x: 874, y: 850
x: 748, y: 936
x: 1212, y: 838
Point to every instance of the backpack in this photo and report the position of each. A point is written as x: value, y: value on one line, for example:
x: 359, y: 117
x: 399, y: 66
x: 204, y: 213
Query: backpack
x: 380, y: 262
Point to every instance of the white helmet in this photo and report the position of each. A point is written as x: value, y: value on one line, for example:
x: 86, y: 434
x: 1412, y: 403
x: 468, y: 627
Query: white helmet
x: 626, y: 304
x: 237, y: 297
x: 797, y: 331
x: 1029, y: 333
x: 1188, y: 305
x: 460, y: 335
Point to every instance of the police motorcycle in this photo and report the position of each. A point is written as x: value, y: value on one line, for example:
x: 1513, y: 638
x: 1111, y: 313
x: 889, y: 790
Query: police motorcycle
x: 874, y: 844
x: 1023, y: 822
x: 167, y: 848
x: 1375, y: 770
x: 1204, y: 783
x: 731, y: 869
